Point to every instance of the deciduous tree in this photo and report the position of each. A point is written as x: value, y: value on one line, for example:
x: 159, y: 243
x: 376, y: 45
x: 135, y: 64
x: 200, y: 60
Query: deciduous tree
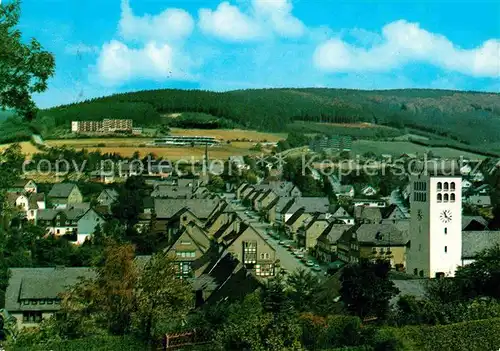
x: 24, y: 68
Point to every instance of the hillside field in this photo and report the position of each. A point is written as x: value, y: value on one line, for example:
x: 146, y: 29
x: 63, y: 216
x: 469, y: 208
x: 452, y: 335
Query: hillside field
x: 396, y: 148
x: 27, y: 148
x: 127, y: 146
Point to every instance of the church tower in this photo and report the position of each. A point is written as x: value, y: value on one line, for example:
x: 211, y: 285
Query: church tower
x: 436, y: 224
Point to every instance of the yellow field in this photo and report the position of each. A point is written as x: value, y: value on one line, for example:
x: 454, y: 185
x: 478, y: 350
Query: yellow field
x: 127, y: 146
x: 231, y: 134
x: 27, y: 148
x: 176, y: 153
x: 93, y: 142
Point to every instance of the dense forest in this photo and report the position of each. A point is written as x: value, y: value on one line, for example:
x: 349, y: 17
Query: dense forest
x: 449, y: 113
x: 467, y: 117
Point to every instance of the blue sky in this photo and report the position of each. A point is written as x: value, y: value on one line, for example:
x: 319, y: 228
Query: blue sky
x: 110, y: 46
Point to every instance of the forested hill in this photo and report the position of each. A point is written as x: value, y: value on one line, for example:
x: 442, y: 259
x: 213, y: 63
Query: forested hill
x: 467, y: 116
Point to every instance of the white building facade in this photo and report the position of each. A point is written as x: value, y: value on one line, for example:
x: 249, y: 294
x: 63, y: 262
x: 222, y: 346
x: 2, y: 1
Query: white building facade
x: 436, y: 226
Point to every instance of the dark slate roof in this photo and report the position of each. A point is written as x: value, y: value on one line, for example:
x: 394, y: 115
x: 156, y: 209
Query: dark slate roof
x: 112, y: 193
x: 310, y: 205
x: 341, y: 212
x: 316, y: 217
x: 468, y: 220
x: 40, y: 283
x: 474, y: 242
x: 293, y: 218
x: 21, y: 183
x: 281, y: 188
x: 50, y: 214
x: 198, y: 235
x: 225, y: 279
x: 413, y: 287
x: 334, y: 232
x: 61, y: 190
x: 381, y: 234
x: 35, y: 198
x: 167, y: 208
x: 222, y: 229
x: 172, y: 192
x: 392, y: 210
x: 482, y: 200
x: 369, y: 214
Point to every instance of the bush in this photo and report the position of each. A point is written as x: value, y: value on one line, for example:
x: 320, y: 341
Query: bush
x: 104, y: 343
x: 469, y: 336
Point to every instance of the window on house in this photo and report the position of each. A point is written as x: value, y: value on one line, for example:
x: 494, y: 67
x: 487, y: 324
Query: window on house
x: 439, y: 198
x: 446, y: 230
x: 452, y: 197
x: 445, y: 186
x: 445, y: 198
x: 446, y: 249
x: 415, y: 271
x: 58, y: 223
x: 439, y: 186
x: 185, y: 242
x: 32, y: 317
x: 452, y: 186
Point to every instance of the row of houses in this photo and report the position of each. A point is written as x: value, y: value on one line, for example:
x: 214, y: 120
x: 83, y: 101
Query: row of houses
x: 220, y: 254
x: 370, y: 229
x: 62, y: 212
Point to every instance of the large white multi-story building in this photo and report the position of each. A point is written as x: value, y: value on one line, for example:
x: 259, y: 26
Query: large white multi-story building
x: 436, y: 225
x: 104, y: 126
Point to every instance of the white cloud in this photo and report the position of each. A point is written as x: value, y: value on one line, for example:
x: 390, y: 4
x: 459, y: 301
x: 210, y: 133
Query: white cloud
x: 265, y: 17
x: 151, y: 48
x: 279, y: 14
x: 404, y: 42
x: 227, y: 22
x: 170, y: 25
x: 119, y: 63
x: 80, y: 49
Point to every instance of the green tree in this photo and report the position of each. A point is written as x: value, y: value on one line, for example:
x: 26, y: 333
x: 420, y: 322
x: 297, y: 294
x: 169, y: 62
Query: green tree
x: 244, y: 327
x: 216, y: 184
x: 366, y: 289
x: 481, y: 277
x: 302, y: 286
x: 106, y: 302
x: 130, y: 201
x: 24, y: 68
x: 162, y: 299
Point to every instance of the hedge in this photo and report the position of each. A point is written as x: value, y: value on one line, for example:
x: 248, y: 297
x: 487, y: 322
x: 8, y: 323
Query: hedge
x: 107, y: 343
x: 482, y: 335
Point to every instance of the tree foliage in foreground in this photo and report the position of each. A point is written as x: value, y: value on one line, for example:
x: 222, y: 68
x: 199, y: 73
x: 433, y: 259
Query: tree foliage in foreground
x: 24, y: 68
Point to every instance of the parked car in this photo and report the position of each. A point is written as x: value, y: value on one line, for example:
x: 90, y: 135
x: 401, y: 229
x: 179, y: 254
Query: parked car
x: 300, y: 255
x: 316, y: 267
x: 281, y: 242
x: 309, y: 263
